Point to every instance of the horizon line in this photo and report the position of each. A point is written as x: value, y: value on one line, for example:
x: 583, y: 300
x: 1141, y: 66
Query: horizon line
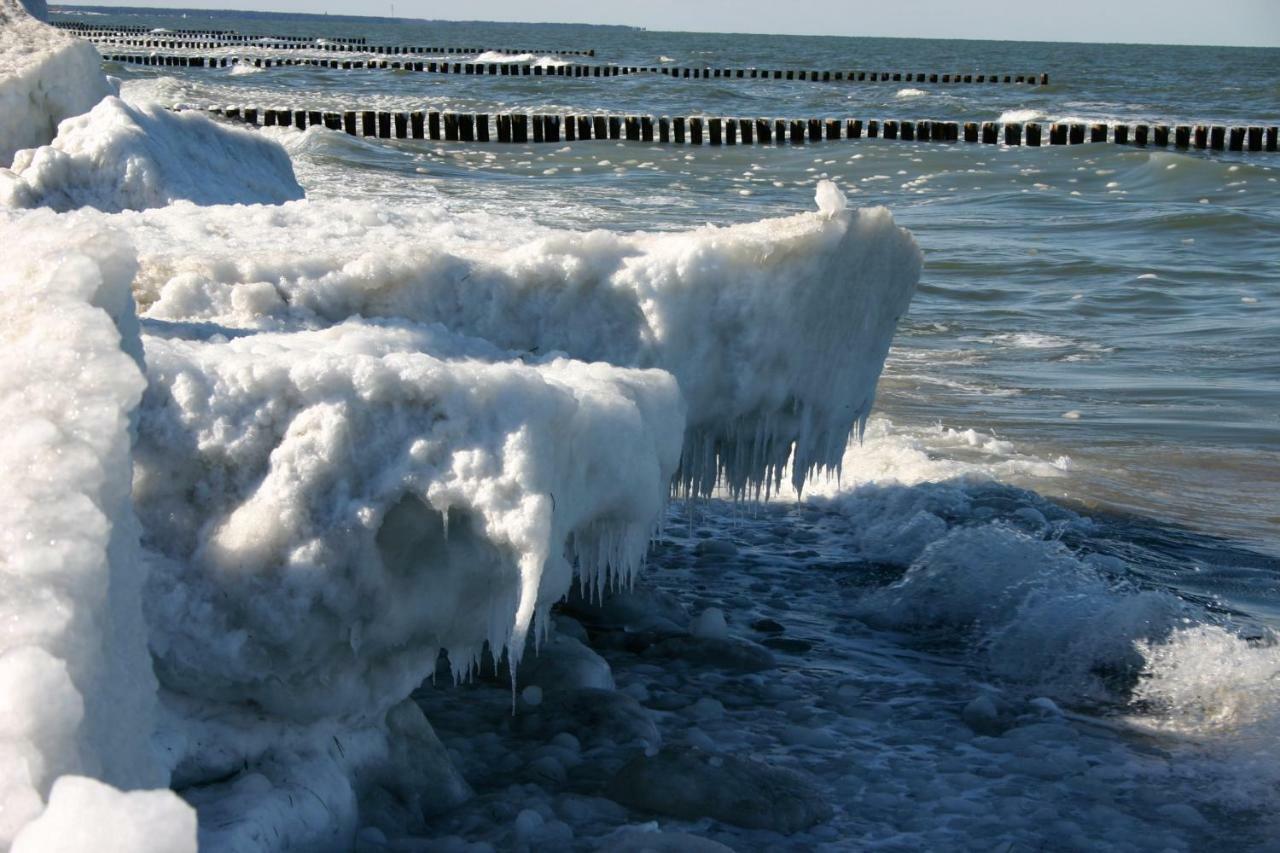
x: 253, y: 12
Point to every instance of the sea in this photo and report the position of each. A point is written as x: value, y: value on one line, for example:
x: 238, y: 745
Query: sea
x: 1038, y: 607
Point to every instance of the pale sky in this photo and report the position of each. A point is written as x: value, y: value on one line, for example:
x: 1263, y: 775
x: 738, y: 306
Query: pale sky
x: 1228, y: 22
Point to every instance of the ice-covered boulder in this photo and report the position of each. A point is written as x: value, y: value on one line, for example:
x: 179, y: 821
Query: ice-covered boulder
x: 77, y: 691
x: 121, y: 156
x: 45, y: 76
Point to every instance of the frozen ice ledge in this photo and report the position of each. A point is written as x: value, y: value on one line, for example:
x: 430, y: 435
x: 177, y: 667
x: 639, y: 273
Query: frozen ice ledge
x: 264, y: 462
x: 399, y: 436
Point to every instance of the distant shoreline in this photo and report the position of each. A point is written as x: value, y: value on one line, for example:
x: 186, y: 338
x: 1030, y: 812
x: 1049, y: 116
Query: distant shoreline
x: 67, y: 9
x: 242, y: 13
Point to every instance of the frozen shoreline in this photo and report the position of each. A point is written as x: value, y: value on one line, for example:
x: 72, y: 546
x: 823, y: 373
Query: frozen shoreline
x: 342, y: 470
x: 370, y: 432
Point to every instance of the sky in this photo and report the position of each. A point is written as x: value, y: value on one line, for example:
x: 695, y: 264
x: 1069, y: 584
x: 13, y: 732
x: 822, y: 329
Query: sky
x: 1224, y: 22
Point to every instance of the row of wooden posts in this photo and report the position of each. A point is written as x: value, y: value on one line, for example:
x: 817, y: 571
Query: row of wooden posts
x: 519, y: 69
x: 521, y: 128
x: 265, y: 43
x: 91, y: 31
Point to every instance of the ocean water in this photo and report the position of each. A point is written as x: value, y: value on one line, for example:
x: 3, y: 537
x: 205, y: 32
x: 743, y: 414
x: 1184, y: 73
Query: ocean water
x: 1038, y: 609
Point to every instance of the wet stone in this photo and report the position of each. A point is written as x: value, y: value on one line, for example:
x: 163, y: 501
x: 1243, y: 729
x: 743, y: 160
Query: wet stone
x: 655, y: 841
x: 595, y: 717
x: 726, y: 653
x: 790, y: 645
x: 690, y: 784
x: 715, y: 548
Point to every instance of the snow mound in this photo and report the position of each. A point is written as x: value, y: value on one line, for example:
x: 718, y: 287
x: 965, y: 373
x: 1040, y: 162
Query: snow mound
x: 45, y: 76
x: 75, y: 675
x: 121, y: 156
x: 776, y: 331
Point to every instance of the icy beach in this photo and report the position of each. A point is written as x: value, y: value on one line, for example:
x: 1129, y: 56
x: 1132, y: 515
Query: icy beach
x: 389, y: 520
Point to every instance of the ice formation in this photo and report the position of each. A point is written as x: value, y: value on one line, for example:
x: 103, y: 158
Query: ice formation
x: 335, y: 440
x: 351, y: 501
x: 776, y: 331
x: 78, y: 690
x: 121, y: 156
x: 350, y: 459
x: 45, y: 77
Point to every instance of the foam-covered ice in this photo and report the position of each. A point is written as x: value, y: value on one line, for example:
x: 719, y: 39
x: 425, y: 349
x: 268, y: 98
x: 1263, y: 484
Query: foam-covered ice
x: 122, y: 156
x: 45, y: 76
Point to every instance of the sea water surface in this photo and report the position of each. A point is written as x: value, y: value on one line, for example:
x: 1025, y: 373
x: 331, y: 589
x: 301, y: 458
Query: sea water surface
x: 1075, y: 449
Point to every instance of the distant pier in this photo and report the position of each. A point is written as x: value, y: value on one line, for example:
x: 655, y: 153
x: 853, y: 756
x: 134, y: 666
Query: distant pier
x: 521, y: 128
x: 525, y: 69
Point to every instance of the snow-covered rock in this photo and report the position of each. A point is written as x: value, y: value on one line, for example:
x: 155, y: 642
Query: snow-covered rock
x: 45, y: 76
x: 121, y: 156
x: 409, y: 432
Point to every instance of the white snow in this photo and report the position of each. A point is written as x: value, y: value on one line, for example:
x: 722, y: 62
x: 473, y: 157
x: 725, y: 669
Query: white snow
x: 45, y: 76
x: 121, y: 156
x: 372, y: 447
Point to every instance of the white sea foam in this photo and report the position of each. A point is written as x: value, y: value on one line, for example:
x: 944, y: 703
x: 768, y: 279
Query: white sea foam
x: 1206, y: 679
x: 1020, y: 116
x: 496, y: 56
x: 910, y: 93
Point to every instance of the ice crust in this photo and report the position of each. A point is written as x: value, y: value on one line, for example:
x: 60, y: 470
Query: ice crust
x: 45, y: 77
x: 121, y: 156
